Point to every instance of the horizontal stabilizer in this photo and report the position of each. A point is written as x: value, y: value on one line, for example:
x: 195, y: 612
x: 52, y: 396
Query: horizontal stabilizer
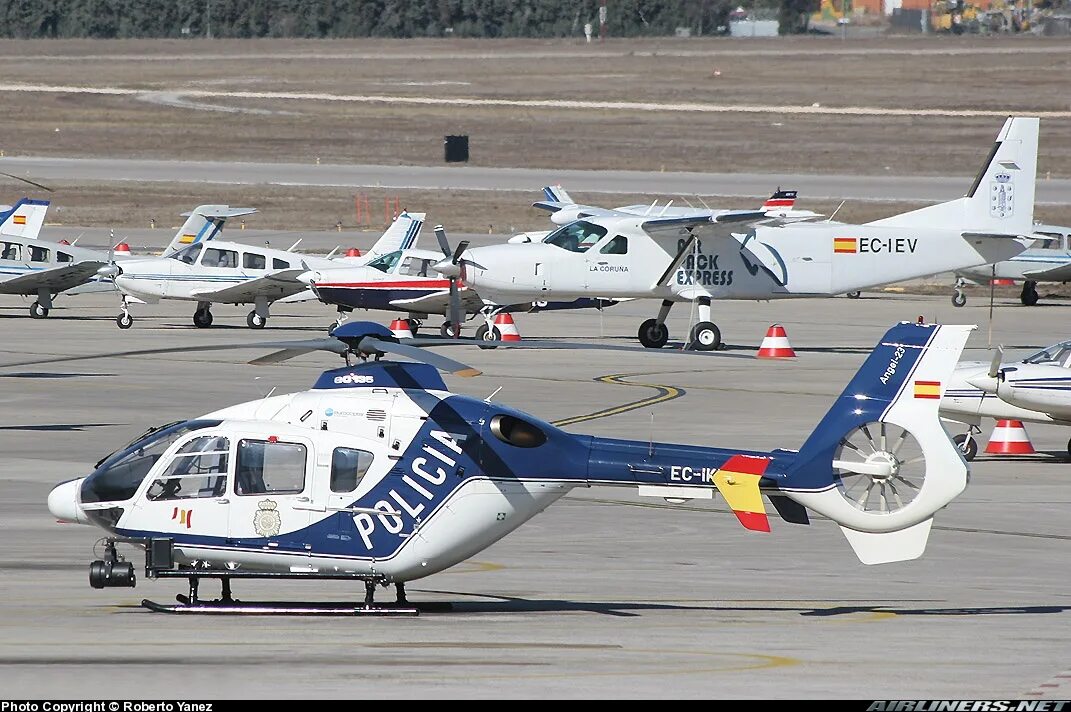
x: 888, y: 547
x: 738, y: 482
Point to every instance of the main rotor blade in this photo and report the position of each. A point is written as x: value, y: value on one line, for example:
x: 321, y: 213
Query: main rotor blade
x: 27, y: 180
x: 297, y: 348
x: 333, y: 345
x: 994, y: 365
x: 426, y: 341
x: 449, y: 365
x: 444, y: 244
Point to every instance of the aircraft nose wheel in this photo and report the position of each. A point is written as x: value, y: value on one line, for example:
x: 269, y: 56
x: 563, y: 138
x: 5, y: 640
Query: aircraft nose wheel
x: 37, y: 311
x: 254, y: 320
x: 202, y: 318
x: 854, y: 295
x: 969, y: 446
x: 705, y: 336
x: 124, y: 321
x: 654, y: 335
x: 485, y: 333
x: 958, y: 298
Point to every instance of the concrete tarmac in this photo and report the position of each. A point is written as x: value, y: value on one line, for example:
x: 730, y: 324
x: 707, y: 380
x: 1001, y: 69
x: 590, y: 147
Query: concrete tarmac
x: 810, y: 186
x: 605, y: 594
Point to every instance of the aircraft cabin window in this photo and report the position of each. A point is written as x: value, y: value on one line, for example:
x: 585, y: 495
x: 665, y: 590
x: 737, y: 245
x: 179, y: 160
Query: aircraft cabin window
x: 277, y: 263
x: 415, y: 267
x: 251, y: 260
x: 266, y: 467
x: 385, y: 263
x: 63, y: 257
x: 10, y: 251
x: 38, y: 254
x: 198, y: 469
x: 219, y: 258
x: 348, y: 467
x: 618, y: 245
x: 1058, y: 354
x: 577, y: 236
x: 187, y: 255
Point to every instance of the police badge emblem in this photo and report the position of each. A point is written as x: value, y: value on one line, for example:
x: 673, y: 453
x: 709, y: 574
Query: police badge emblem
x: 1001, y: 194
x: 267, y: 521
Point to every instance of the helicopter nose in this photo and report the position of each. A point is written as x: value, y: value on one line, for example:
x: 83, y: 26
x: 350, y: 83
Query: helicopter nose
x: 63, y: 502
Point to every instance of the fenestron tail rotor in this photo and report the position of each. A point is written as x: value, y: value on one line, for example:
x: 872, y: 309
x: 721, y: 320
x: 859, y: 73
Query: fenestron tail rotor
x: 879, y: 467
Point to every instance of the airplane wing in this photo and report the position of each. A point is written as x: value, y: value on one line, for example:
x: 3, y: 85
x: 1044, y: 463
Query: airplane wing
x: 55, y: 280
x: 439, y: 302
x: 582, y: 211
x: 1057, y: 273
x: 274, y: 286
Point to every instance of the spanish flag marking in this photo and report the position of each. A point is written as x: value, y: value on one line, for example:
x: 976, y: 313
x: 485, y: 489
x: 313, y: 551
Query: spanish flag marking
x: 20, y: 219
x: 738, y: 482
x: 927, y: 389
x: 187, y: 239
x: 847, y: 245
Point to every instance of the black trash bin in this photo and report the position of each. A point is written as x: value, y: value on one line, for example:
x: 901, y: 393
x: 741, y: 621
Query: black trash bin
x: 456, y: 149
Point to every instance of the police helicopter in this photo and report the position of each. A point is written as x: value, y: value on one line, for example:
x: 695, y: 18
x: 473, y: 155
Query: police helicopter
x: 379, y: 474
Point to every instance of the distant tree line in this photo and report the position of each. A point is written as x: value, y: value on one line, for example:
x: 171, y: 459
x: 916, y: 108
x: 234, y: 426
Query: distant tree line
x: 111, y: 19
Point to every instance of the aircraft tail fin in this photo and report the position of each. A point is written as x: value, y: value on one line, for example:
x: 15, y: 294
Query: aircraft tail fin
x: 557, y: 194
x: 403, y: 234
x: 781, y: 200
x: 204, y: 223
x: 880, y: 463
x: 1001, y: 199
x: 24, y: 218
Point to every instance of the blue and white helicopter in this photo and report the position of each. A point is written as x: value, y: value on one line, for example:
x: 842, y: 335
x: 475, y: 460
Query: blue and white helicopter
x: 380, y: 474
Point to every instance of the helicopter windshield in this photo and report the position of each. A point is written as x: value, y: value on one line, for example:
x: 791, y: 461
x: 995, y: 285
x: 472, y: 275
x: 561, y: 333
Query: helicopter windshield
x: 577, y: 236
x: 385, y: 263
x: 1058, y: 354
x: 118, y: 476
x: 187, y: 254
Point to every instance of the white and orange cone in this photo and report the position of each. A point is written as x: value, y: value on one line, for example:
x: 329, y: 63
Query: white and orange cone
x: 1003, y: 282
x: 1009, y: 438
x: 353, y: 252
x: 775, y: 344
x: 122, y: 250
x: 401, y: 329
x: 506, y: 328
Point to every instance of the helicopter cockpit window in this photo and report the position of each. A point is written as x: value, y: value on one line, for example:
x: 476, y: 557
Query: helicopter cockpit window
x: 188, y: 254
x: 348, y: 467
x: 119, y: 475
x: 198, y: 469
x: 1058, y: 354
x: 385, y: 263
x: 577, y: 236
x: 266, y: 466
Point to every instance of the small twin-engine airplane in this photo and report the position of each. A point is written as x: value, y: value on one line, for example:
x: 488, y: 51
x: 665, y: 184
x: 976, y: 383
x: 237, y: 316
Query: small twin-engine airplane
x: 234, y: 273
x: 702, y: 257
x: 1036, y: 390
x: 38, y: 268
x: 1048, y: 262
x: 380, y: 474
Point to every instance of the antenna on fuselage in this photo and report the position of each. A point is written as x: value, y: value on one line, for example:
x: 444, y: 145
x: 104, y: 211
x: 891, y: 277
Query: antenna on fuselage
x: 493, y: 394
x: 291, y: 248
x: 830, y: 218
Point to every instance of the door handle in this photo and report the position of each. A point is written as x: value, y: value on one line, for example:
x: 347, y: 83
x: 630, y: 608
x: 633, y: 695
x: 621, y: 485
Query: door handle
x: 303, y: 499
x: 223, y: 500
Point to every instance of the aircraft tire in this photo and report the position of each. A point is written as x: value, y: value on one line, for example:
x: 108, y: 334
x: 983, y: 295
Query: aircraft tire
x: 1029, y: 297
x: 202, y: 318
x: 124, y: 321
x: 37, y: 311
x: 652, y: 334
x: 959, y: 299
x: 254, y: 320
x: 487, y: 334
x: 968, y: 446
x: 705, y: 336
x: 854, y: 295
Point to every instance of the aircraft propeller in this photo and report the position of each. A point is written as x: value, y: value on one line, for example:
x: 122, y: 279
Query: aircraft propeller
x: 453, y: 268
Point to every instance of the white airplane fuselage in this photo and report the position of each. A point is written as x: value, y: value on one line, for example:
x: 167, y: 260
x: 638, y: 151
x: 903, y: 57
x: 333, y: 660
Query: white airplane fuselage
x: 766, y: 262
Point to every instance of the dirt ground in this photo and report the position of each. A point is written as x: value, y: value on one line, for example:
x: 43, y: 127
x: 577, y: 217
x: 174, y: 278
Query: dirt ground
x: 1012, y: 74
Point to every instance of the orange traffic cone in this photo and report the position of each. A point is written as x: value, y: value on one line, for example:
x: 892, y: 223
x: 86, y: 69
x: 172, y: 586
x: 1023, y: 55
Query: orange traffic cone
x: 353, y: 252
x: 400, y: 328
x: 1009, y: 438
x: 506, y: 328
x: 122, y: 250
x: 775, y: 344
x: 1003, y: 282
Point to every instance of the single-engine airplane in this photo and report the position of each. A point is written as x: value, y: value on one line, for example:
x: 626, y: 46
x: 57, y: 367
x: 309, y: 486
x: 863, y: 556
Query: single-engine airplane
x: 380, y: 474
x: 1049, y: 261
x: 739, y: 255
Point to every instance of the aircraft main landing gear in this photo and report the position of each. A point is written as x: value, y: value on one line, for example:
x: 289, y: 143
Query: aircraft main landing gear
x: 254, y: 320
x: 37, y: 311
x: 202, y: 318
x: 654, y: 333
x: 1029, y: 295
x: 854, y: 295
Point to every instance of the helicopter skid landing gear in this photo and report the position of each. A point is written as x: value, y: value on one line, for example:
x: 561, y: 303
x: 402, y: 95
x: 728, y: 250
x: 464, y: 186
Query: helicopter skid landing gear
x: 226, y: 604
